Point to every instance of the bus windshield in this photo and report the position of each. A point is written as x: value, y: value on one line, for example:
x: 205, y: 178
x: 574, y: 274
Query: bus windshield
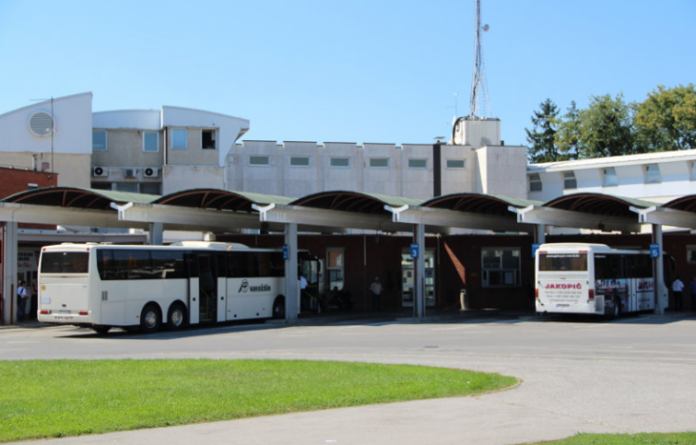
x: 64, y: 262
x: 550, y: 262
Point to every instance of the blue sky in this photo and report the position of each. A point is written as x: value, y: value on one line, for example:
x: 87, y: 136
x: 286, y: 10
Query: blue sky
x: 343, y: 70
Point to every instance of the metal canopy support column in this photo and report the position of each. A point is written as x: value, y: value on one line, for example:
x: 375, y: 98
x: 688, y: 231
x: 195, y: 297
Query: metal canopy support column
x: 156, y: 234
x: 541, y: 233
x: 660, y: 302
x: 291, y: 283
x: 419, y: 284
x: 9, y: 272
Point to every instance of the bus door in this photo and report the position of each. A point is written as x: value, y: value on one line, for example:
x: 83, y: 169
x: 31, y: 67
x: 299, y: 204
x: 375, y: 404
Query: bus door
x: 221, y: 296
x: 207, y: 288
x: 193, y: 284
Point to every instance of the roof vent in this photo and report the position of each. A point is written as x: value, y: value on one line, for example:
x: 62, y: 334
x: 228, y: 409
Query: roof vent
x: 41, y: 123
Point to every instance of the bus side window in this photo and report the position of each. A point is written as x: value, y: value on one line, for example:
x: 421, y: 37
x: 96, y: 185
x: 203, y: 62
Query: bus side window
x: 222, y: 265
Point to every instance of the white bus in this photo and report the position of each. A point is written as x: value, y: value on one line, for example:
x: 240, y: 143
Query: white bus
x: 576, y: 278
x: 100, y: 286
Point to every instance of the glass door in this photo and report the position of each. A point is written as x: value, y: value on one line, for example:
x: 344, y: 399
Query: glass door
x: 408, y: 278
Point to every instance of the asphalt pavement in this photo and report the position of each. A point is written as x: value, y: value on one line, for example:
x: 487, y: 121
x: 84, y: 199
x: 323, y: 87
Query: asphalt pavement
x: 633, y: 375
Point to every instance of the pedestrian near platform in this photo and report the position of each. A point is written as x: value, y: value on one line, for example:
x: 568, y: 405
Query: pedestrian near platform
x: 376, y: 289
x: 677, y: 291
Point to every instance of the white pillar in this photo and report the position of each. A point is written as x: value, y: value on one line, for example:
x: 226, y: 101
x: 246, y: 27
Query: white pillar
x: 541, y: 233
x: 660, y: 302
x: 8, y: 276
x: 156, y: 236
x: 292, y: 285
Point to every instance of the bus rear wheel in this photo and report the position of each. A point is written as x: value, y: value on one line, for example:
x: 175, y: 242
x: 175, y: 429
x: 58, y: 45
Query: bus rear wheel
x: 177, y: 316
x: 279, y: 308
x: 150, y: 319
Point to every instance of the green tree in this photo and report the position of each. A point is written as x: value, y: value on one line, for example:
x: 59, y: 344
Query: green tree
x: 542, y: 138
x: 568, y: 135
x: 606, y: 128
x: 666, y: 120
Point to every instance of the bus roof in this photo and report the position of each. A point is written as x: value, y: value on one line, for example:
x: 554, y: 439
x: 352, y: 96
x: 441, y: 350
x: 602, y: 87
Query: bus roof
x: 603, y: 248
x: 186, y: 244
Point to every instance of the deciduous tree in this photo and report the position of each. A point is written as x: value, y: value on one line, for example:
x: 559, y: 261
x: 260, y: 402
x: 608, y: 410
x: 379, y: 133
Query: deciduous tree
x: 666, y: 120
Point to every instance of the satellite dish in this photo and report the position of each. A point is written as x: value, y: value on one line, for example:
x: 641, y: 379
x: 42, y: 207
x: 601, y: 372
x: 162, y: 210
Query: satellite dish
x: 486, y: 27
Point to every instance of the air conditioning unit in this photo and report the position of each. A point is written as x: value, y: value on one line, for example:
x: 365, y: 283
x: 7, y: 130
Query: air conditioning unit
x: 130, y: 173
x: 100, y: 171
x: 151, y: 172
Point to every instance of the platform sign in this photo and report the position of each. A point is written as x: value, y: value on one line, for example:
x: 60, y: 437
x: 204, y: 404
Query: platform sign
x: 535, y: 247
x: 654, y: 251
x: 286, y: 252
x: 414, y: 250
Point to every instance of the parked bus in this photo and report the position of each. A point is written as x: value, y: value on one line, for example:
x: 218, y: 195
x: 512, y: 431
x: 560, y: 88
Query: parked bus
x: 575, y: 278
x: 100, y: 286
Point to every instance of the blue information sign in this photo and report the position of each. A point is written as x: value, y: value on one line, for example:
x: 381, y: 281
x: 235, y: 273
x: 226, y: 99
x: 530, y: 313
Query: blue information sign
x: 535, y: 247
x: 286, y: 253
x: 414, y: 250
x: 654, y: 251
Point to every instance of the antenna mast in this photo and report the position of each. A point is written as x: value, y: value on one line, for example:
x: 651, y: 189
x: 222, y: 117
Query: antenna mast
x: 479, y: 106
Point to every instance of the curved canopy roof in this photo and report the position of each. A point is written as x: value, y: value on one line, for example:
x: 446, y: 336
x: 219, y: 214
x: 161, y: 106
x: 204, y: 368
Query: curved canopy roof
x: 686, y: 203
x: 357, y: 202
x: 217, y: 199
x: 478, y: 203
x: 599, y: 204
x: 76, y: 197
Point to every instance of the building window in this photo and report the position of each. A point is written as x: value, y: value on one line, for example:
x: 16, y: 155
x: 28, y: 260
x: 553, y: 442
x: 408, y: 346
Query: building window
x: 610, y: 179
x: 151, y: 188
x: 456, y: 163
x: 569, y: 181
x: 340, y: 162
x: 652, y: 174
x: 335, y: 264
x: 259, y: 161
x: 150, y: 141
x: 379, y: 162
x: 180, y: 138
x: 693, y: 171
x: 501, y: 266
x: 98, y: 140
x: 208, y: 140
x: 299, y: 161
x: 418, y: 163
x: 534, y: 183
x: 691, y: 254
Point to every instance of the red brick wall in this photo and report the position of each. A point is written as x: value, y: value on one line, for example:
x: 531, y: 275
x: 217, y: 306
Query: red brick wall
x: 16, y: 180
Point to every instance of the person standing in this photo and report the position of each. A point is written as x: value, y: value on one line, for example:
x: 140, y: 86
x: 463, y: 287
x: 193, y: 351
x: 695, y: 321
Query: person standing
x: 22, y: 298
x: 376, y: 289
x: 677, y: 289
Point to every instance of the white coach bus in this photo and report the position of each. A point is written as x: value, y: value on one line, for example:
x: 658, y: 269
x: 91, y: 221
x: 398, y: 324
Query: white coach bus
x: 576, y: 278
x: 100, y: 286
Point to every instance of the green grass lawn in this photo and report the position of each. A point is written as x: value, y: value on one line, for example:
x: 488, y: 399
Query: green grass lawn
x: 72, y: 397
x: 628, y: 439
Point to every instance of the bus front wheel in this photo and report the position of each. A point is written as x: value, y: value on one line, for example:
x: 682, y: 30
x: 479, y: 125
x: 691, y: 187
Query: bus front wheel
x: 150, y: 319
x: 279, y: 308
x: 177, y: 316
x: 101, y: 330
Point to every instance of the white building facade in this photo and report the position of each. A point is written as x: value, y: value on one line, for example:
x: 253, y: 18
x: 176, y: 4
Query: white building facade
x: 657, y: 177
x: 173, y: 148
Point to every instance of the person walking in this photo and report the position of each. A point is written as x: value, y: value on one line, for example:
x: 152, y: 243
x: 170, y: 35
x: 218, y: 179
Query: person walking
x: 376, y: 289
x: 677, y: 290
x: 22, y: 298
